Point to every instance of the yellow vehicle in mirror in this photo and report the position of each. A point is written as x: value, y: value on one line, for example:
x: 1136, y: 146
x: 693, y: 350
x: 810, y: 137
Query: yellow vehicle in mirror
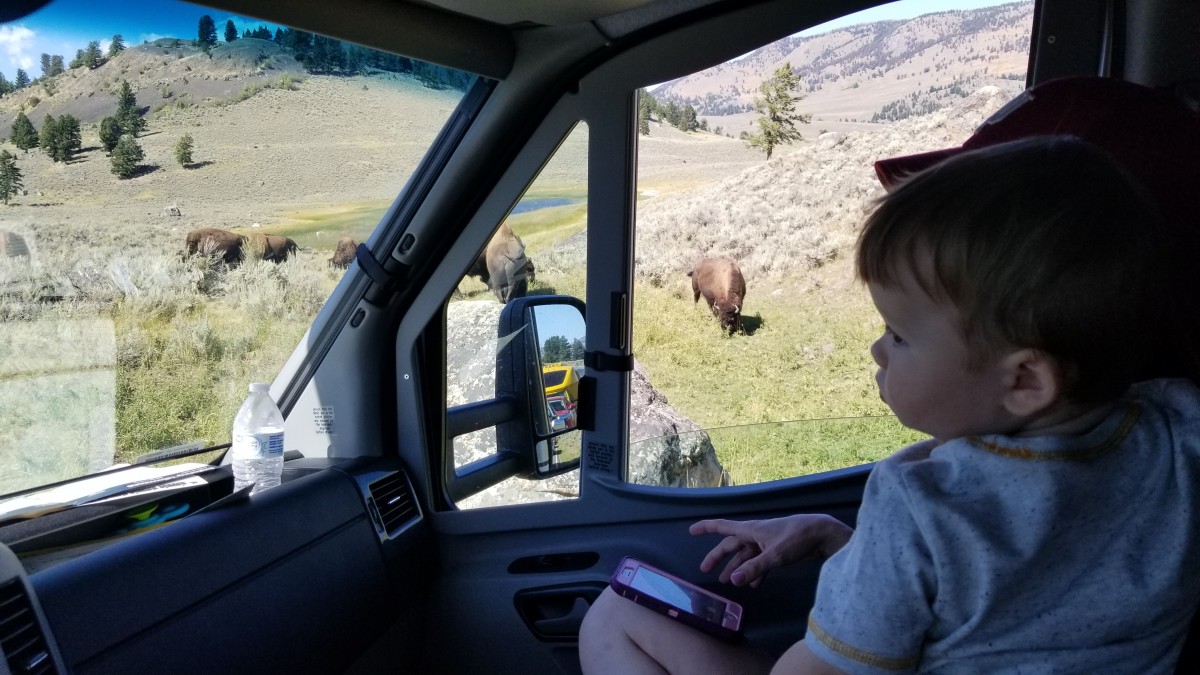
x: 561, y: 378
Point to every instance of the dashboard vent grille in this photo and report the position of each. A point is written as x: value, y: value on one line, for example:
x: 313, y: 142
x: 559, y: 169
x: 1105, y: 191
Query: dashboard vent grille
x: 392, y: 503
x: 21, y: 638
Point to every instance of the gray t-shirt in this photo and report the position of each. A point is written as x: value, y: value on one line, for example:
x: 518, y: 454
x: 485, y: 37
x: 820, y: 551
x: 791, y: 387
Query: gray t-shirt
x: 1052, y: 554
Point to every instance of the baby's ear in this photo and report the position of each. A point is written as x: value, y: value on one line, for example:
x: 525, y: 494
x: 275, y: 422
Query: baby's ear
x: 1032, y: 380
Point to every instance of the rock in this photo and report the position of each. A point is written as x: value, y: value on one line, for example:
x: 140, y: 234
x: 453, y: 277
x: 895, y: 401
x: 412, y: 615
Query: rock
x: 674, y: 451
x: 171, y: 211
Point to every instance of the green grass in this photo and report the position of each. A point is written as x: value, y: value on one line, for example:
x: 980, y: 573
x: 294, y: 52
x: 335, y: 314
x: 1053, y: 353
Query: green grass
x: 794, y: 395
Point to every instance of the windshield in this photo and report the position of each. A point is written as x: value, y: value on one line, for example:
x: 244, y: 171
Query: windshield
x: 181, y: 190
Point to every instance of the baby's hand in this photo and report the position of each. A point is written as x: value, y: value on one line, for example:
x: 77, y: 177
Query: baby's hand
x: 755, y: 547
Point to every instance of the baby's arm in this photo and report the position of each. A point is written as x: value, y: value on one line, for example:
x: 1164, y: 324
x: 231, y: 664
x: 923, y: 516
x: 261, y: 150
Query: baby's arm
x: 754, y: 547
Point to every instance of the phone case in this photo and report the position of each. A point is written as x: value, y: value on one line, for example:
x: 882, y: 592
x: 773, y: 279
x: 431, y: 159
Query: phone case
x: 690, y: 604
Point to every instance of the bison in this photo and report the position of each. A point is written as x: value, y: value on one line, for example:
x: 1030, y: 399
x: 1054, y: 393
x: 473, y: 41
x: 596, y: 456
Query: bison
x: 213, y: 242
x: 233, y: 247
x: 344, y: 254
x: 721, y: 283
x: 503, y: 265
x: 273, y: 247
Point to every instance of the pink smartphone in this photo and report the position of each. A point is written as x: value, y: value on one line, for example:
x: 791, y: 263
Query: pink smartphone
x: 666, y: 593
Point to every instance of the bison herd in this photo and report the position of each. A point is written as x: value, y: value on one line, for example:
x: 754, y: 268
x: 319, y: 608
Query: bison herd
x: 233, y: 248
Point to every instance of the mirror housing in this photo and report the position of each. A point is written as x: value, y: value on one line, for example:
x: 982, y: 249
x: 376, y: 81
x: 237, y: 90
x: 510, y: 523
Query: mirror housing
x: 540, y: 369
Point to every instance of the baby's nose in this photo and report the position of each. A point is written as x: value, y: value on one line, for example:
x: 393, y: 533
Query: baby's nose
x: 878, y: 353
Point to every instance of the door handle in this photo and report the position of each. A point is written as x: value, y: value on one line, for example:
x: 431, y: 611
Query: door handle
x: 555, y: 613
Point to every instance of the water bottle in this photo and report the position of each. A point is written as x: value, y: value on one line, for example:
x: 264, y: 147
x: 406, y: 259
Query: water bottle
x: 257, y: 441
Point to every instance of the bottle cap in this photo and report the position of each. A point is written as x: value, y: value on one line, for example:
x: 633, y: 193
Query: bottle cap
x: 259, y: 386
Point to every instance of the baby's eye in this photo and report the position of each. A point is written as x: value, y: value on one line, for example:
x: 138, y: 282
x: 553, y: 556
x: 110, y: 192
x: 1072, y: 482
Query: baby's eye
x: 896, y: 339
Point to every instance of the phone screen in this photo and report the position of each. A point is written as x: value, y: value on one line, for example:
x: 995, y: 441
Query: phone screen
x: 685, y: 598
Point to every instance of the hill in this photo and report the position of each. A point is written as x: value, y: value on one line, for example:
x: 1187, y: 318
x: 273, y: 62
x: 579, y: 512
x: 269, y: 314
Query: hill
x: 873, y: 72
x: 165, y: 72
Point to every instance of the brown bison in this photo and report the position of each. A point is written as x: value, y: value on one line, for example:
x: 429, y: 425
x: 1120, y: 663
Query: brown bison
x: 344, y: 254
x: 233, y: 247
x: 503, y: 265
x: 721, y: 283
x: 273, y: 247
x: 214, y: 242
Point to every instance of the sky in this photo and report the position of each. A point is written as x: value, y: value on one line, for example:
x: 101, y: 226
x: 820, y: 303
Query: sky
x: 66, y: 26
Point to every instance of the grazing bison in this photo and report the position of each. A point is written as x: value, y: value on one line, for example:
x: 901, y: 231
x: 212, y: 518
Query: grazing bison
x: 721, y: 283
x: 503, y: 265
x: 273, y: 247
x: 213, y: 242
x: 343, y: 255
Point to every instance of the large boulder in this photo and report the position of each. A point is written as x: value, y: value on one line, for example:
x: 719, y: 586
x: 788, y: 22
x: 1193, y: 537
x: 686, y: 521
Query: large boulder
x: 669, y: 449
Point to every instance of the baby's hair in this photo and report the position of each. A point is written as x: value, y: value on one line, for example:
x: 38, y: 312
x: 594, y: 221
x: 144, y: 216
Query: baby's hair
x: 1043, y: 243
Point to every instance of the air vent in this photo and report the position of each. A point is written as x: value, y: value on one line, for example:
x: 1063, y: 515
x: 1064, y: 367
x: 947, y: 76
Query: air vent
x: 21, y: 638
x: 393, y: 504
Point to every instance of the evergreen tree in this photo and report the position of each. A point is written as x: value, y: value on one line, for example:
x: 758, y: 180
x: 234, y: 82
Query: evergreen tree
x: 6, y: 87
x: 687, y: 118
x: 61, y: 138
x: 279, y: 36
x: 22, y: 80
x: 56, y: 64
x: 556, y: 349
x: 45, y: 135
x: 24, y: 136
x: 93, y: 57
x: 46, y: 67
x: 206, y: 36
x: 116, y: 46
x: 125, y: 157
x: 577, y: 350
x: 183, y: 150
x: 78, y: 60
x: 646, y: 106
x: 110, y: 133
x: 230, y: 31
x: 777, y: 107
x: 129, y: 116
x: 10, y: 176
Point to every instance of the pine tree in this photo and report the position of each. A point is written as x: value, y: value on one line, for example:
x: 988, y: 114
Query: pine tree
x: 56, y: 64
x: 777, y: 107
x: 93, y: 57
x: 45, y: 135
x: 230, y: 31
x: 128, y: 115
x: 24, y: 136
x: 646, y: 106
x: 22, y: 80
x: 687, y: 118
x: 183, y: 150
x: 60, y: 138
x: 46, y: 67
x: 125, y: 157
x: 116, y: 46
x: 6, y: 87
x: 110, y: 133
x: 206, y: 36
x: 10, y: 176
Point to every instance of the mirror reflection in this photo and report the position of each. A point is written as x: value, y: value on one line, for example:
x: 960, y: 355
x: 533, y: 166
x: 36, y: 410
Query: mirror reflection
x: 558, y: 331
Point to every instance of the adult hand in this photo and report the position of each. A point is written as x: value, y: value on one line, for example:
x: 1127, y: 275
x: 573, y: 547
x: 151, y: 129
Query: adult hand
x: 754, y: 547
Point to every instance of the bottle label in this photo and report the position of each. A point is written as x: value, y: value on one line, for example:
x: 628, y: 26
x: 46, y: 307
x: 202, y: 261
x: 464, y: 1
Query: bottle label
x: 259, y: 445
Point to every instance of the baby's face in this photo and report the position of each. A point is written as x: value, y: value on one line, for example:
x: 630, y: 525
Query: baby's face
x: 928, y: 374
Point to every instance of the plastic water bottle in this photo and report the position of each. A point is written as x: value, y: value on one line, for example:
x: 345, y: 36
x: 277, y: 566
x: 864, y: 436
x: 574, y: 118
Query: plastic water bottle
x: 257, y: 441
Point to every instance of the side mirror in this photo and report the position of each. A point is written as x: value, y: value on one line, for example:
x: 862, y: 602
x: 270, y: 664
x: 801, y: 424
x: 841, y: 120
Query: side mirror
x: 541, y: 370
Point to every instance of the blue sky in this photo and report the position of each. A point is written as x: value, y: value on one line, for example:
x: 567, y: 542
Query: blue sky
x: 65, y: 26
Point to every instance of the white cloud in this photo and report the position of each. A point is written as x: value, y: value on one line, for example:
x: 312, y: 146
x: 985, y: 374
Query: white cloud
x: 17, y: 42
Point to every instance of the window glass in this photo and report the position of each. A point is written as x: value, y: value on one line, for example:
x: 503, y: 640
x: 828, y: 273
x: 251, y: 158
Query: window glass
x: 181, y: 190
x: 791, y: 391
x: 547, y: 228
